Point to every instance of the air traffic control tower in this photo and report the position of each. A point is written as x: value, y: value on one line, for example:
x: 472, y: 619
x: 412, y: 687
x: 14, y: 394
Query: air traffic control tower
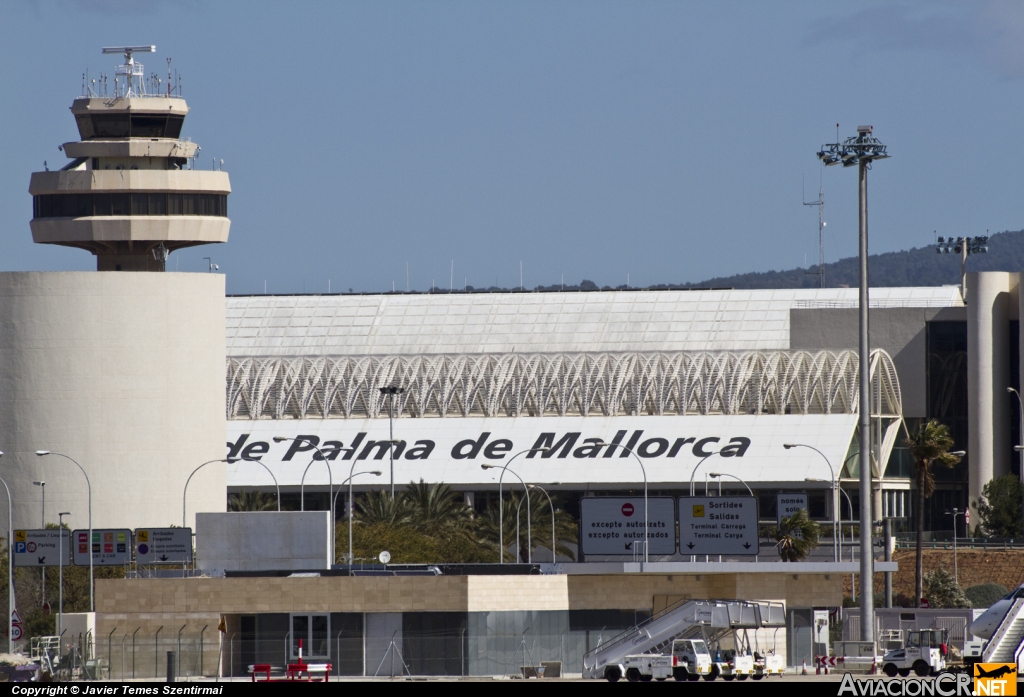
x: 130, y: 194
x: 121, y: 370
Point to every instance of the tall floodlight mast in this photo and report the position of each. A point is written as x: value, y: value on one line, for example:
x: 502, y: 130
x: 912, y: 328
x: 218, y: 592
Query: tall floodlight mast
x: 820, y: 204
x: 862, y: 150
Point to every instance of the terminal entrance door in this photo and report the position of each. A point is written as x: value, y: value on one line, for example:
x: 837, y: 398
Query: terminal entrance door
x: 314, y: 629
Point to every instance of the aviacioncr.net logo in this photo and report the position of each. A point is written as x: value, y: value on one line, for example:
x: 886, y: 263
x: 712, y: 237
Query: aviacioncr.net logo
x: 995, y: 679
x: 943, y: 685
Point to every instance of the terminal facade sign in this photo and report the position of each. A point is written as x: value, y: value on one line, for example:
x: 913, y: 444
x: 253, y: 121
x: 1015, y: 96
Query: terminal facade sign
x: 41, y: 547
x: 163, y: 546
x: 718, y: 525
x: 110, y: 547
x: 610, y: 526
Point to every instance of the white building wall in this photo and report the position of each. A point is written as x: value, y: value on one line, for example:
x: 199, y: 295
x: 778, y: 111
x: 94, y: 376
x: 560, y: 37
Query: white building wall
x: 124, y: 372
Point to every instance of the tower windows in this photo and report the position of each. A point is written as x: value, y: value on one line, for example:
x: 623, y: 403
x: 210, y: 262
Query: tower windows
x: 86, y: 205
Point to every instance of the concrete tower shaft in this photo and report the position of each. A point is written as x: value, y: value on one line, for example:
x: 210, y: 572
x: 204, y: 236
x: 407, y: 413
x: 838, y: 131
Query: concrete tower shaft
x: 130, y: 194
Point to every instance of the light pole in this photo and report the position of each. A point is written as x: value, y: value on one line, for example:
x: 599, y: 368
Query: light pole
x: 391, y: 391
x: 552, y: 507
x: 348, y: 510
x: 862, y: 151
x: 718, y: 475
x: 964, y: 246
x: 302, y: 484
x: 10, y: 569
x: 60, y: 569
x: 184, y: 492
x: 611, y: 446
x: 501, y: 541
x: 501, y: 507
x: 955, y: 512
x: 88, y: 484
x: 42, y: 488
x: 1019, y: 449
x: 835, y: 498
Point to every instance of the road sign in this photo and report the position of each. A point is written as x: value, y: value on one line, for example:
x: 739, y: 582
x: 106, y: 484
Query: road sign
x: 15, y: 625
x: 612, y: 525
x: 110, y: 547
x: 163, y: 546
x: 786, y: 504
x: 40, y: 547
x: 718, y: 525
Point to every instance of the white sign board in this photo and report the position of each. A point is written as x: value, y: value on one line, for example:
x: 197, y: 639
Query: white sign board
x: 786, y: 504
x: 612, y: 525
x: 718, y: 525
x: 109, y: 547
x: 163, y: 546
x: 41, y: 547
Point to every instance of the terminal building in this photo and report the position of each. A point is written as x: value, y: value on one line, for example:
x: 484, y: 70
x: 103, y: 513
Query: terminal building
x: 139, y: 376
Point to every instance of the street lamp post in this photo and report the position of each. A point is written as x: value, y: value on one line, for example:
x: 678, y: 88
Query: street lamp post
x: 862, y: 151
x: 184, y: 492
x: 1019, y: 449
x: 552, y: 507
x: 835, y: 498
x: 42, y: 488
x: 302, y: 484
x: 10, y: 569
x: 501, y: 522
x: 718, y: 476
x: 348, y: 510
x: 955, y: 512
x: 501, y: 508
x: 60, y: 570
x: 391, y: 391
x: 611, y: 446
x: 88, y: 484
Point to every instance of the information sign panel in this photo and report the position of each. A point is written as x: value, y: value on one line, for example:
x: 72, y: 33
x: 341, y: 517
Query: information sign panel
x: 718, y: 525
x: 163, y: 546
x: 786, y: 504
x: 110, y: 547
x: 41, y: 547
x: 612, y: 525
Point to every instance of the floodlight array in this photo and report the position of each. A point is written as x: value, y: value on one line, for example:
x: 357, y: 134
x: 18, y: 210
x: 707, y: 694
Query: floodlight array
x: 956, y: 245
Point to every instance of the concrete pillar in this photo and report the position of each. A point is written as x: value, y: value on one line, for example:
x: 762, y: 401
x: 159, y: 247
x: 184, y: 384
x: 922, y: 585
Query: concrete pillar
x: 992, y: 297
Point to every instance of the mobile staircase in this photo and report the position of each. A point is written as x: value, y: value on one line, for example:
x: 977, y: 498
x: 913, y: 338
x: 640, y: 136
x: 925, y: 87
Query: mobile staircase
x: 685, y: 619
x: 1007, y: 643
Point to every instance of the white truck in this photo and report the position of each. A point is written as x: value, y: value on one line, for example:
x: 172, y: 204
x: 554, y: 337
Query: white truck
x: 924, y: 652
x: 689, y: 660
x: 768, y: 665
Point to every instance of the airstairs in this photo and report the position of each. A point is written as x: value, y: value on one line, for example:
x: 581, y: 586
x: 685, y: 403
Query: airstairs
x: 685, y: 619
x: 1007, y: 644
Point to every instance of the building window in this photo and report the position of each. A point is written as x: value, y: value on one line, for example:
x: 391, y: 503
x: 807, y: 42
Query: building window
x: 894, y: 504
x: 85, y: 205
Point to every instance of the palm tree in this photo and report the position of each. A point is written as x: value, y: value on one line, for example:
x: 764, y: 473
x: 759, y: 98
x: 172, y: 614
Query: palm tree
x: 378, y: 507
x: 251, y: 501
x: 796, y: 536
x: 566, y: 529
x: 436, y: 507
x: 931, y: 443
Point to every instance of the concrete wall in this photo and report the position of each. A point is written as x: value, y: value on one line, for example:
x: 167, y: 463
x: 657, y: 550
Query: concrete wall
x: 124, y: 372
x: 899, y: 331
x: 263, y: 541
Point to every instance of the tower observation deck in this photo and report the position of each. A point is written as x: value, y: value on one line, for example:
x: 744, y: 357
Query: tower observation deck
x: 131, y: 193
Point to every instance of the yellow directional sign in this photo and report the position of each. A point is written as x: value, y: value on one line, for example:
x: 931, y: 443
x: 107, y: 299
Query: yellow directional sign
x: 142, y: 535
x: 698, y: 511
x: 20, y: 535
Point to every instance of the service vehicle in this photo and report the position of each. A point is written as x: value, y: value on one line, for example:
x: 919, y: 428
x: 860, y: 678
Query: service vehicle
x: 689, y: 660
x: 768, y: 665
x: 733, y: 665
x: 923, y: 652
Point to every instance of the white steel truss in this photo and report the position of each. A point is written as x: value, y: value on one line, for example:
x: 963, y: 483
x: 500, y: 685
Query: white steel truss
x: 558, y: 384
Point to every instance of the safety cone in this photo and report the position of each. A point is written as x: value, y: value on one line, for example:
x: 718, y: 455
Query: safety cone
x: 804, y: 671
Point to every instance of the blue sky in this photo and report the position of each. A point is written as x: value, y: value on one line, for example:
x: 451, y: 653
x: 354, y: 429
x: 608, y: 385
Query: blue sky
x: 664, y: 140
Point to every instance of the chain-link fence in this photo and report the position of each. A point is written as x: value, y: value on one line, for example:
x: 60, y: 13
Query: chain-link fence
x: 124, y: 656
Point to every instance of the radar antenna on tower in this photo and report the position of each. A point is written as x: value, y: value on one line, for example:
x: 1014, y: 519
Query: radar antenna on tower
x: 820, y: 203
x: 134, y: 73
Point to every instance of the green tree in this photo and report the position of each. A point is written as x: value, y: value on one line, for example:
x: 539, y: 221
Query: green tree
x: 566, y: 530
x: 797, y: 536
x: 999, y: 507
x: 435, y: 507
x: 248, y: 501
x: 943, y: 590
x: 930, y: 444
x: 380, y: 507
x: 984, y: 594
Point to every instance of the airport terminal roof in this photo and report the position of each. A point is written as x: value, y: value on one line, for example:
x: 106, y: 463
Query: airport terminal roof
x: 537, y: 322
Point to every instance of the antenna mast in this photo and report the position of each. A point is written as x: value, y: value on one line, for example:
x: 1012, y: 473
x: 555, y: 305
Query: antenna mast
x: 820, y: 203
